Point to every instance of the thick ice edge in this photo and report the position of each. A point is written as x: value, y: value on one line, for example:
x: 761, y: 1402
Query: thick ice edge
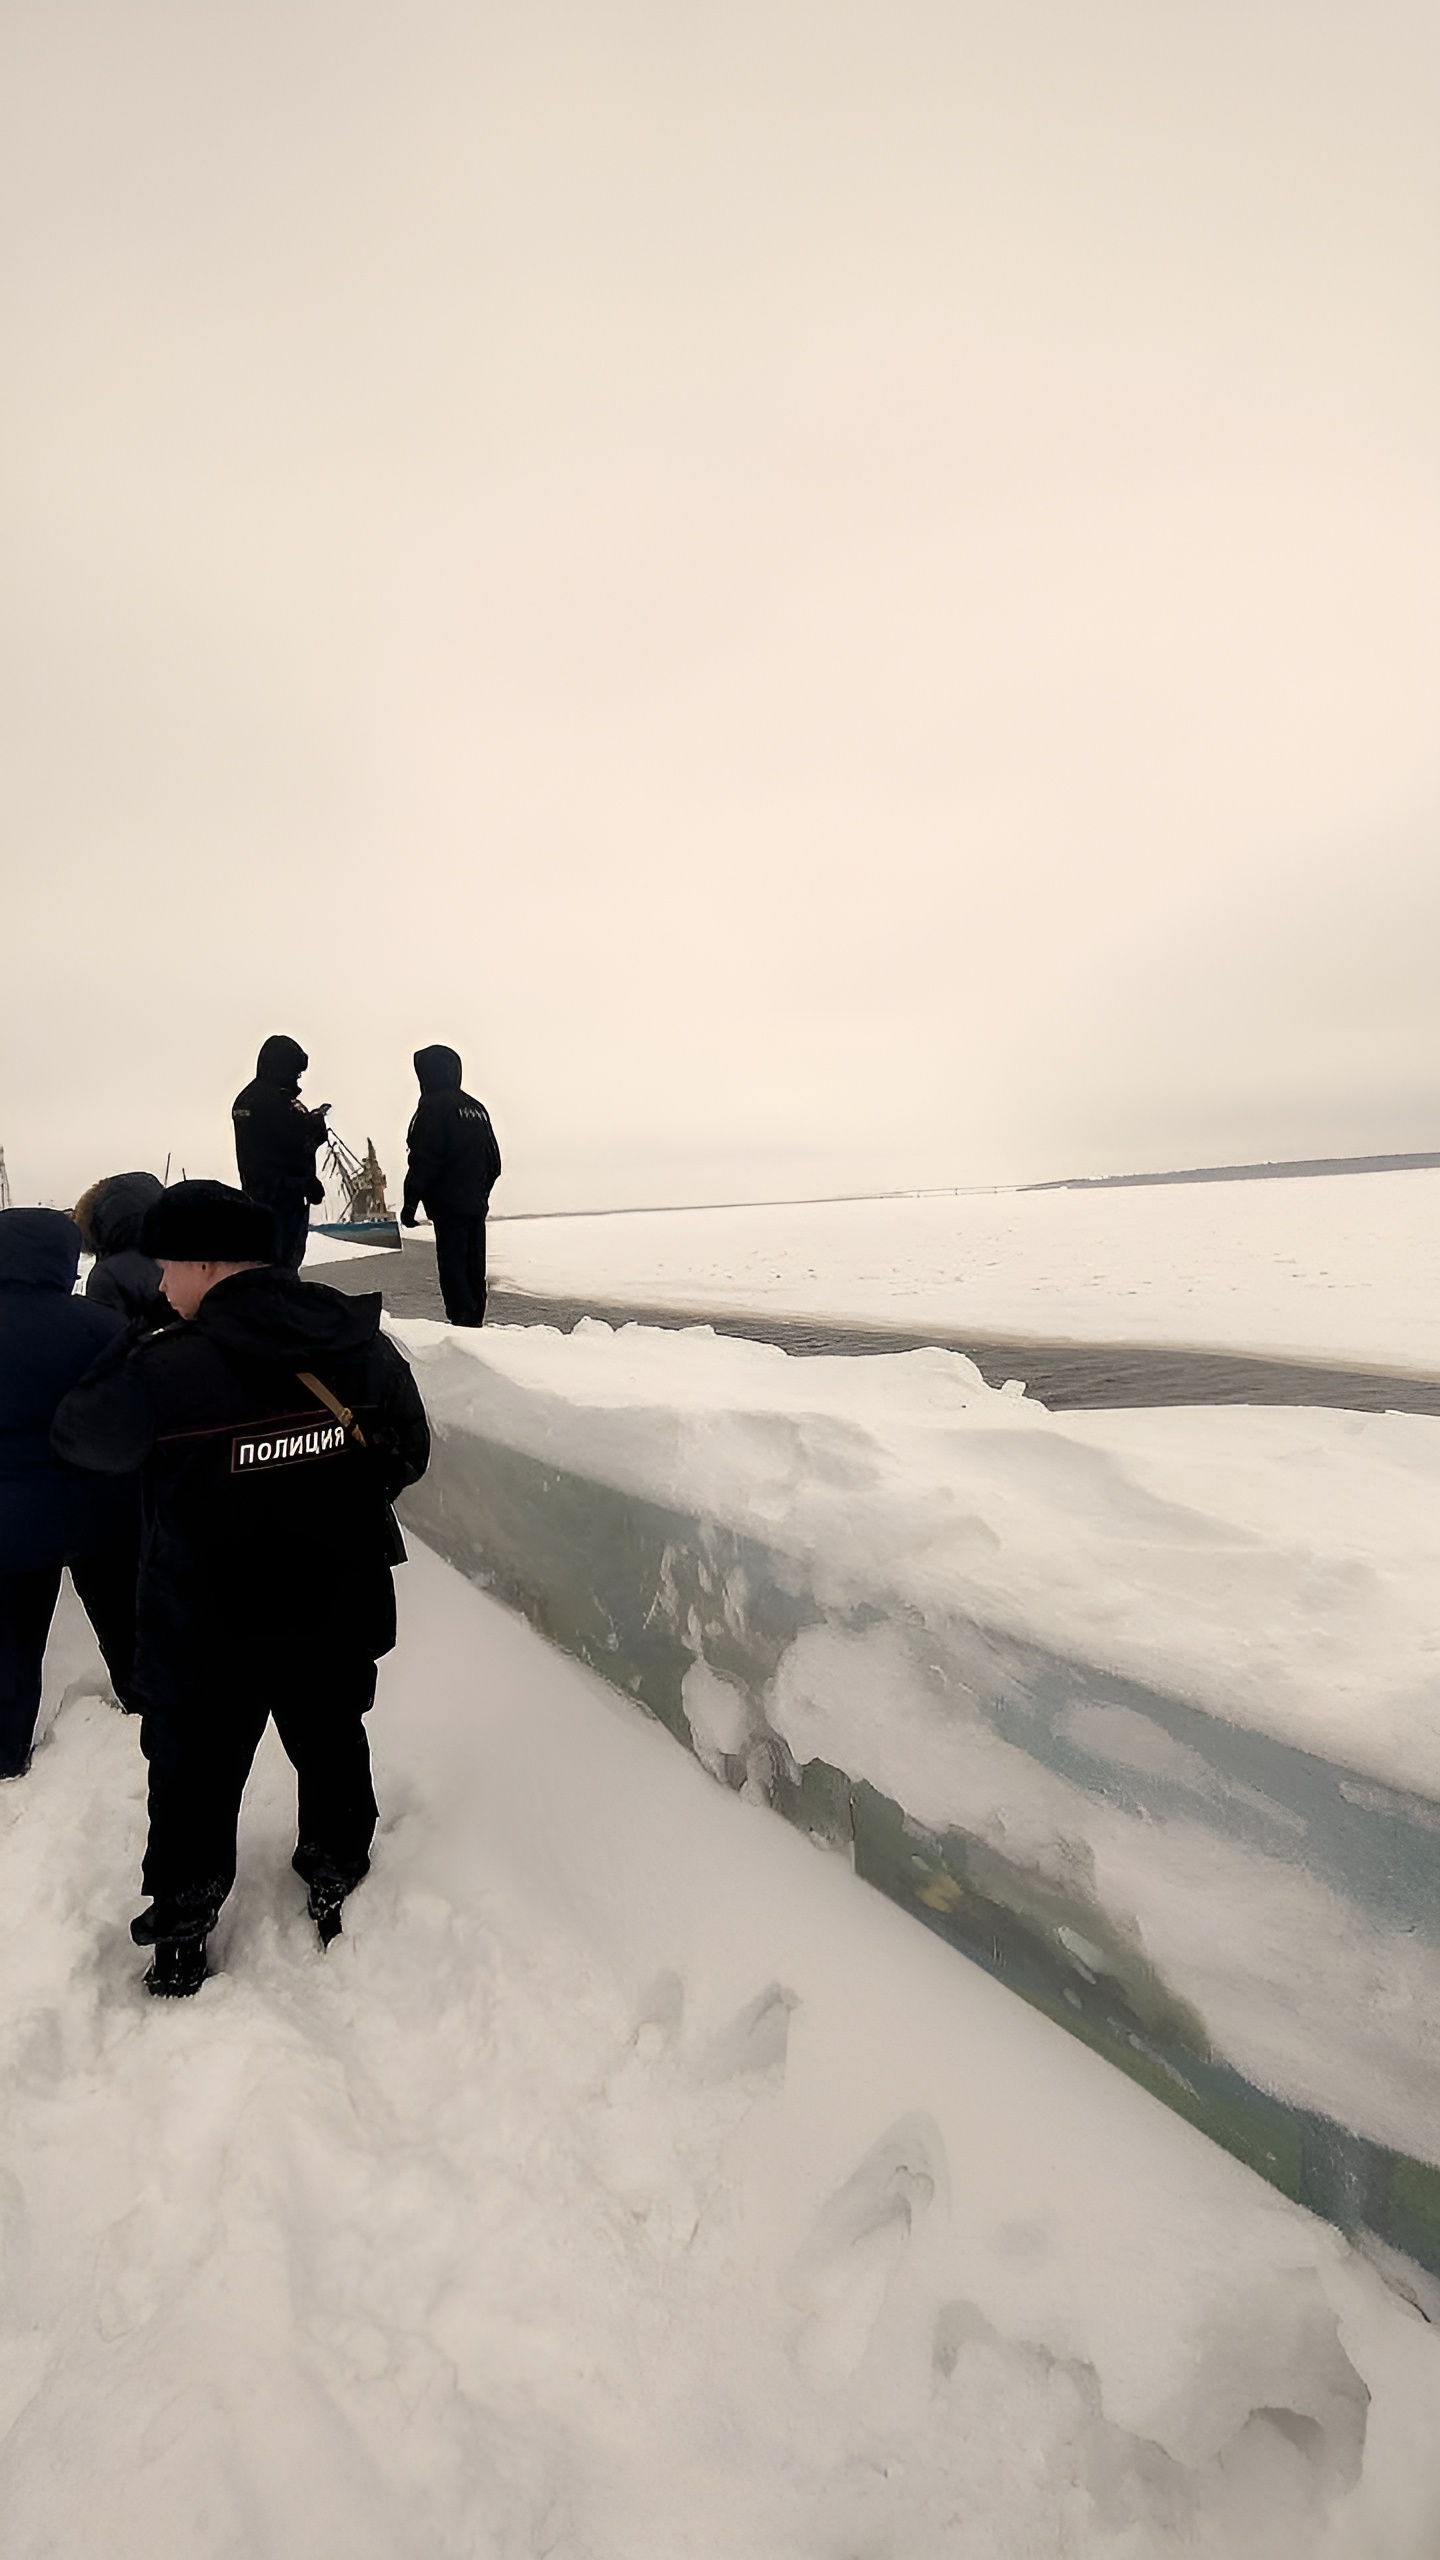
x: 1176, y: 1766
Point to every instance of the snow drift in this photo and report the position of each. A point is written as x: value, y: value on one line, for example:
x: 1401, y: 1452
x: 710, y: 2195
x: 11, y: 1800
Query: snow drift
x: 626, y: 2184
x: 1141, y: 1710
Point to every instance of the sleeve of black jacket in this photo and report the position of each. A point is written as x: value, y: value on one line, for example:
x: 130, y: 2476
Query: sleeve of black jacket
x: 107, y: 1422
x: 425, y: 1141
x: 401, y: 1431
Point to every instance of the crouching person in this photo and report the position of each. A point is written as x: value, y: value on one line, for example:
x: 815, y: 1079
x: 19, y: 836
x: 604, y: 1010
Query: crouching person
x: 273, y: 1428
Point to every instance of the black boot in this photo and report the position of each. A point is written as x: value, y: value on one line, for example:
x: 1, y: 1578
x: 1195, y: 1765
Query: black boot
x: 179, y: 1915
x: 329, y: 1886
x: 178, y: 1968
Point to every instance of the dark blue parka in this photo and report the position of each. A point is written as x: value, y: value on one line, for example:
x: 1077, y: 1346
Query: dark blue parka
x: 48, y: 1339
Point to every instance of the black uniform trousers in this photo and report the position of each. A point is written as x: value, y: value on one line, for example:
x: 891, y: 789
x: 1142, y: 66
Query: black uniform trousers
x: 460, y: 1266
x: 104, y: 1577
x: 291, y: 1206
x: 200, y: 1756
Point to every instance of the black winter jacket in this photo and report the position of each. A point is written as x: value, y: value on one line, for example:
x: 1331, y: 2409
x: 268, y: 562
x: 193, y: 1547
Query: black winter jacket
x: 110, y: 1218
x: 48, y: 1339
x: 129, y: 1284
x: 267, y: 1531
x: 276, y: 1138
x: 454, y: 1160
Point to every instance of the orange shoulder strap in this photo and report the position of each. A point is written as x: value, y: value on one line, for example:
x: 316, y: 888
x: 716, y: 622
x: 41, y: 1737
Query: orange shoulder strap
x: 342, y: 1412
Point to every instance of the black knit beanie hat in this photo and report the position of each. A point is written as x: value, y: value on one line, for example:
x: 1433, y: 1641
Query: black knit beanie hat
x: 208, y: 1222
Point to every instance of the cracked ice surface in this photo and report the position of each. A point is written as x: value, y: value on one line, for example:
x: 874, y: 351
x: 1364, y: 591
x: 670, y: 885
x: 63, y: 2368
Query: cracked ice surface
x: 628, y: 2181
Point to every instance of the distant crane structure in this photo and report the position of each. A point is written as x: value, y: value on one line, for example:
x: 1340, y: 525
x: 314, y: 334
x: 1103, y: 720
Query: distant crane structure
x: 358, y: 1178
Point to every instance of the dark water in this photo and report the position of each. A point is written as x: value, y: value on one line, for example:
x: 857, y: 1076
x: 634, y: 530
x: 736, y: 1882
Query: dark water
x: 1066, y: 1376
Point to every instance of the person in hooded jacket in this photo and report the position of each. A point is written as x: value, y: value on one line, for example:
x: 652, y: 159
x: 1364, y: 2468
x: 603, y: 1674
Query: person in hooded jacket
x: 454, y: 1164
x: 53, y: 1515
x: 273, y: 1428
x: 277, y: 1139
x: 110, y: 1216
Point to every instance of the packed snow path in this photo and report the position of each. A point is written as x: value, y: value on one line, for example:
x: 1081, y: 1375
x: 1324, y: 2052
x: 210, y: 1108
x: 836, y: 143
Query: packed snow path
x: 628, y: 2183
x: 1068, y: 1377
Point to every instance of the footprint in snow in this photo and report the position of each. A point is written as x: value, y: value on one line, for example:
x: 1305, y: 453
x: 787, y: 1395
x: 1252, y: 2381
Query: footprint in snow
x: 665, y: 2115
x: 755, y: 2043
x: 840, y: 2277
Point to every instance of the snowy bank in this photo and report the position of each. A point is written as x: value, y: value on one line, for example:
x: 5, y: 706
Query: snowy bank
x: 626, y: 2184
x: 1141, y: 1709
x: 1339, y: 1268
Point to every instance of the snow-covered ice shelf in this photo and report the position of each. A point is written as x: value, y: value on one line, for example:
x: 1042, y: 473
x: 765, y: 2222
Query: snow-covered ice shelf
x: 626, y: 2184
x: 1340, y: 1268
x: 1142, y: 1710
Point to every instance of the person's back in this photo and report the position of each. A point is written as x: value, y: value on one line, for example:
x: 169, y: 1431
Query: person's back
x: 274, y: 1426
x: 454, y: 1160
x: 48, y: 1339
x: 276, y: 1142
x: 52, y: 1513
x: 454, y: 1164
x: 268, y: 1529
x: 110, y: 1216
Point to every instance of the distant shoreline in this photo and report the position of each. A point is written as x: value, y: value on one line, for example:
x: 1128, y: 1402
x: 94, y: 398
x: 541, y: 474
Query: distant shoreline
x: 1301, y: 1168
x: 1290, y: 1171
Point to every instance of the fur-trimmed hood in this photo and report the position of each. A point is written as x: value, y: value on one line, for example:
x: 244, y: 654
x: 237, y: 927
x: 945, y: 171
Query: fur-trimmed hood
x: 111, y: 1213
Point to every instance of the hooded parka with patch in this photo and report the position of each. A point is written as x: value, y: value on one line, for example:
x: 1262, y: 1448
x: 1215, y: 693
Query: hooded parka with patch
x: 277, y: 1141
x: 454, y: 1165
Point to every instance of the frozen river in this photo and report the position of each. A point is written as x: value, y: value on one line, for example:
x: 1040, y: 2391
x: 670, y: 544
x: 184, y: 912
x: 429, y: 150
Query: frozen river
x: 1064, y: 1375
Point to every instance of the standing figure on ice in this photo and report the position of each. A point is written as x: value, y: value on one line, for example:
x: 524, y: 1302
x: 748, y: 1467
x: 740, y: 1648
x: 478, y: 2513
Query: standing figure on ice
x: 51, y: 1515
x: 454, y: 1165
x: 277, y: 1138
x: 274, y: 1428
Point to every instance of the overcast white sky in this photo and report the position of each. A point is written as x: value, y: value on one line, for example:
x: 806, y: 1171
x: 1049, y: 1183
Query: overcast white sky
x: 841, y: 593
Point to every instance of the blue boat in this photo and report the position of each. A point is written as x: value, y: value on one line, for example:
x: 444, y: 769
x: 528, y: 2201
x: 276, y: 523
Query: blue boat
x: 368, y: 1217
x: 383, y: 1232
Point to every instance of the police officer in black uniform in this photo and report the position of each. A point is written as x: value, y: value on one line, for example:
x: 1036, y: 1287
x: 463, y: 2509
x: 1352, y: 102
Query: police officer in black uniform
x: 276, y: 1142
x: 453, y: 1168
x: 274, y: 1427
